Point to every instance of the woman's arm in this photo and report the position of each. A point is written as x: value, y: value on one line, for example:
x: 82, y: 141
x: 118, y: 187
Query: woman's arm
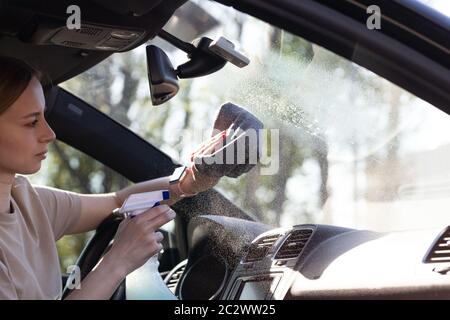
x: 95, y: 208
x: 100, y: 283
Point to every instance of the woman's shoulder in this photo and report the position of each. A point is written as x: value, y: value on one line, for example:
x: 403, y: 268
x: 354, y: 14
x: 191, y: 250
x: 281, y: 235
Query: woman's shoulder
x: 21, y: 181
x: 23, y: 186
x: 23, y: 189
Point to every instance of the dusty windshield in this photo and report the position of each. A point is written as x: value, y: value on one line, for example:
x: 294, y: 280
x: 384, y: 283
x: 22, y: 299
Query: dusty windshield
x: 351, y: 148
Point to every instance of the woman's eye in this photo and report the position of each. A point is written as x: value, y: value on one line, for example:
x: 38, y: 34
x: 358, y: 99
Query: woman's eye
x: 33, y: 124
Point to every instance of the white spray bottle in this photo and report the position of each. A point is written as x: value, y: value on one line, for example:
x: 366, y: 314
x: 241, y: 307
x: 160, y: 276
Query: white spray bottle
x: 145, y: 283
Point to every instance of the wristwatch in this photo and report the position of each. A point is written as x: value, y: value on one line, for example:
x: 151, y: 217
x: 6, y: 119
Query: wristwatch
x: 176, y: 178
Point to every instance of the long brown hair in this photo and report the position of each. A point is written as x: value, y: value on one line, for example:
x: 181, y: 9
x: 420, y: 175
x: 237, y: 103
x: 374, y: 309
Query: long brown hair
x: 15, y: 75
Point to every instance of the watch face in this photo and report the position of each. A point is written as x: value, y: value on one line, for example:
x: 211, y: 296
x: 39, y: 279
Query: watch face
x: 177, y: 174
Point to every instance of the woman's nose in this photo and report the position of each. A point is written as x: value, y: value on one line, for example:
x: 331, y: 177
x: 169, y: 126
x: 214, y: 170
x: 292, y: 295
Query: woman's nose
x: 48, y: 135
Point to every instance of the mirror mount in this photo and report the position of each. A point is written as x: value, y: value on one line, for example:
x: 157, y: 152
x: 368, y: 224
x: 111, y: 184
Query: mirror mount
x: 205, y: 57
x: 202, y: 61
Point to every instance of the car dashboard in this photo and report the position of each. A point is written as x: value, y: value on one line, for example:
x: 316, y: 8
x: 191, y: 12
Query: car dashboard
x: 235, y: 259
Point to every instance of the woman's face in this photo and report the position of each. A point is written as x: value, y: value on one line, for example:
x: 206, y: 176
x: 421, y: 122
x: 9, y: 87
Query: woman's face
x: 24, y: 133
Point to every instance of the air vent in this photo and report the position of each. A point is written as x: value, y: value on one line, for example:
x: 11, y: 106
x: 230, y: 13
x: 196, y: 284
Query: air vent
x: 259, y: 249
x: 440, y: 252
x: 173, y: 278
x: 294, y: 244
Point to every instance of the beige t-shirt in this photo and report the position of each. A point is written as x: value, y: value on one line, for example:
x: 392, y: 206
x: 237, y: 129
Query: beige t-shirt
x: 29, y: 266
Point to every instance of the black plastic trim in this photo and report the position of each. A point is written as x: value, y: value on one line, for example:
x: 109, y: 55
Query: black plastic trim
x: 75, y: 122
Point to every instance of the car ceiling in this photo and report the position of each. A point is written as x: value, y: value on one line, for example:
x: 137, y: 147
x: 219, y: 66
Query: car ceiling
x: 29, y: 29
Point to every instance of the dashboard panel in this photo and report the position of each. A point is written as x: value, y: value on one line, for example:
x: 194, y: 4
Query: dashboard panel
x: 234, y: 259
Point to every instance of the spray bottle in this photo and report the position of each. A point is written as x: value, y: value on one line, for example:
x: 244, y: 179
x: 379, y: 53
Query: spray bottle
x: 145, y: 283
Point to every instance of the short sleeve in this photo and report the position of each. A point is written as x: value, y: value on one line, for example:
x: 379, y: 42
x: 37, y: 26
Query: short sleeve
x: 7, y: 291
x: 63, y: 208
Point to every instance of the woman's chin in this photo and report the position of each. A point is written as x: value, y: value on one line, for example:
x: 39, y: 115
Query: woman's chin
x: 30, y: 170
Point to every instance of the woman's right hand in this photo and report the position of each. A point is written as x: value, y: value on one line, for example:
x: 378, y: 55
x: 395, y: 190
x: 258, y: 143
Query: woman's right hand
x: 137, y: 239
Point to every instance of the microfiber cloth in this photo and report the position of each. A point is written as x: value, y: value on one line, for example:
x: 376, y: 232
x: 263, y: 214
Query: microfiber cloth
x: 240, y: 152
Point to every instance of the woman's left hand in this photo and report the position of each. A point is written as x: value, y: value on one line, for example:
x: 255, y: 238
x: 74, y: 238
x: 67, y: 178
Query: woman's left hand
x: 195, y: 181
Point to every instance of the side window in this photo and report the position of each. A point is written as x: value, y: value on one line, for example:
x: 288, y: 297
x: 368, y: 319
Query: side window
x: 69, y: 169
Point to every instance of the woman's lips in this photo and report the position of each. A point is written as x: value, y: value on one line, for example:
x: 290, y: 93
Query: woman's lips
x: 42, y: 155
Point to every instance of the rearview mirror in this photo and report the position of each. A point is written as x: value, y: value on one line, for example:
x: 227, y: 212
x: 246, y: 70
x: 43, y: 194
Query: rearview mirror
x: 162, y: 76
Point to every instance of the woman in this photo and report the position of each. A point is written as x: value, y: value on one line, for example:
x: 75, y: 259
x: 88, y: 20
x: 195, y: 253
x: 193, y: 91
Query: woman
x: 32, y: 218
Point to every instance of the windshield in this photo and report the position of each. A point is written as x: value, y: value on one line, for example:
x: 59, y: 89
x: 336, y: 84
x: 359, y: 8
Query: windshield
x: 348, y: 147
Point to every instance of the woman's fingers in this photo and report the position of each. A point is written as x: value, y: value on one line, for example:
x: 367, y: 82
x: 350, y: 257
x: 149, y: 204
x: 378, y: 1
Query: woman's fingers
x: 159, y: 236
x: 151, y: 213
x: 162, y: 219
x: 156, y: 217
x: 210, y: 141
x: 208, y: 146
x: 213, y: 147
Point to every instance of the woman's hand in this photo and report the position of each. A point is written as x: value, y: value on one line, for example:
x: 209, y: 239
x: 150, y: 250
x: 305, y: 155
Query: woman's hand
x: 194, y: 181
x: 137, y: 240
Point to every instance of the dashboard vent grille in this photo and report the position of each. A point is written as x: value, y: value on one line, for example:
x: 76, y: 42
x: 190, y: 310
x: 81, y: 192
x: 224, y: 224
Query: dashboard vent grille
x: 259, y: 249
x: 174, y: 277
x: 440, y: 252
x: 294, y: 244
